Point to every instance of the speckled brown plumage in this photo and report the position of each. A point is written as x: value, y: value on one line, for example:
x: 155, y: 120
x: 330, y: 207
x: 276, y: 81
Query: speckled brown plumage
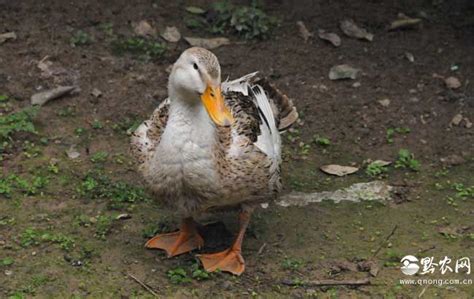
x: 244, y: 173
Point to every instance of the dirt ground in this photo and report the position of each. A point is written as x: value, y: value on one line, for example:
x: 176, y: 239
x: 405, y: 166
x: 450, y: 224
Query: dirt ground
x: 62, y: 240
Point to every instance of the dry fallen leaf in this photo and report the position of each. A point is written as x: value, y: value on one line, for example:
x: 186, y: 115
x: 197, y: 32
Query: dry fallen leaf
x: 43, y: 97
x: 338, y: 170
x: 171, y: 34
x: 352, y: 30
x: 333, y: 38
x: 410, y: 57
x: 143, y: 28
x: 195, y: 10
x: 208, y: 43
x: 382, y: 162
x: 343, y: 71
x: 72, y: 153
x: 6, y: 36
x: 404, y: 22
x: 303, y: 31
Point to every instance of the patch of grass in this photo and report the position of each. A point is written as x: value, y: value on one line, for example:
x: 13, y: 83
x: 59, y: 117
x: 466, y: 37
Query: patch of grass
x: 249, y: 22
x: 199, y: 274
x: 7, y: 261
x: 406, y: 159
x: 33, y: 237
x: 12, y: 183
x: 149, y: 231
x: 375, y: 169
x: 97, y: 125
x: 139, y: 47
x: 53, y: 167
x: 103, y: 226
x: 107, y: 28
x: 322, y: 141
x: 4, y: 98
x: 21, y: 121
x: 7, y: 221
x: 81, y: 38
x: 463, y: 191
x: 392, y: 258
x: 178, y: 276
x: 127, y: 125
x: 67, y: 112
x: 291, y: 264
x: 99, y: 157
x: 224, y: 17
x: 79, y: 131
x: 98, y: 186
x: 392, y: 131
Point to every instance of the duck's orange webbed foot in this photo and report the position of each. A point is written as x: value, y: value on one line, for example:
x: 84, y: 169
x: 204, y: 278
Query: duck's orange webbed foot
x: 182, y: 241
x: 229, y: 260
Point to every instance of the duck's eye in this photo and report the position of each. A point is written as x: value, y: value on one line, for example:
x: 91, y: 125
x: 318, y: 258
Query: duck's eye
x: 195, y: 66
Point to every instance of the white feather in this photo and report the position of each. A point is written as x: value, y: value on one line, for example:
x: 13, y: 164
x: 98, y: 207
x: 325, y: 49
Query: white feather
x: 269, y: 140
x: 239, y: 85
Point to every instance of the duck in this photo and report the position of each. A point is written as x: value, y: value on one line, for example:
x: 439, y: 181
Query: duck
x: 212, y: 146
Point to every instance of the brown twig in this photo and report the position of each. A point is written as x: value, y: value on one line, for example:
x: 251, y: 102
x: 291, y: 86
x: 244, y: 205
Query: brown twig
x: 386, y: 240
x: 261, y: 249
x: 327, y: 282
x: 143, y: 285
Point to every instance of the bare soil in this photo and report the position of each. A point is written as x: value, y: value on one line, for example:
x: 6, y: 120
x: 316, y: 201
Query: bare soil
x: 298, y: 244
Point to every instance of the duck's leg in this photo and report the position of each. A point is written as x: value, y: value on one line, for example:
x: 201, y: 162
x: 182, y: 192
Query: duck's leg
x: 182, y: 241
x: 229, y: 260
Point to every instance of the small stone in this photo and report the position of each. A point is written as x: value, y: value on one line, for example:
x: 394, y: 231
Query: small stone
x: 468, y: 124
x: 171, y: 34
x: 356, y: 84
x: 456, y: 120
x: 452, y: 83
x: 413, y: 100
x: 343, y: 71
x: 410, y: 57
x: 72, y: 153
x: 8, y: 272
x: 384, y: 102
x: 96, y: 93
x: 143, y: 28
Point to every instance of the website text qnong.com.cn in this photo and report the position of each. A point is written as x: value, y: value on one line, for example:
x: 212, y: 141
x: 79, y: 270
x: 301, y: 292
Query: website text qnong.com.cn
x: 411, y: 265
x: 439, y: 282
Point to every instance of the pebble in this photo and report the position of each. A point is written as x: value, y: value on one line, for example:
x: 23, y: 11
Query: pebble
x: 356, y: 84
x: 384, y: 102
x: 456, y: 120
x: 452, y: 83
x: 8, y: 272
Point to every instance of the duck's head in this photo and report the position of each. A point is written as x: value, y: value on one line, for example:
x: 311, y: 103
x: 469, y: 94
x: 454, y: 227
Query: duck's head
x: 196, y: 79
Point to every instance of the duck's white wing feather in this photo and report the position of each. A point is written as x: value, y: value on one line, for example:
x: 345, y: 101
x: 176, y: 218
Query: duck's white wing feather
x: 269, y: 140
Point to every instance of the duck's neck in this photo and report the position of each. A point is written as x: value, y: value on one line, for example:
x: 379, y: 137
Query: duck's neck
x: 189, y: 124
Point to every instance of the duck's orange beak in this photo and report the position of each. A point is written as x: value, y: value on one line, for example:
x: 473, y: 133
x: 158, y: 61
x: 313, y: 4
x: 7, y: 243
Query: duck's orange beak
x: 214, y: 102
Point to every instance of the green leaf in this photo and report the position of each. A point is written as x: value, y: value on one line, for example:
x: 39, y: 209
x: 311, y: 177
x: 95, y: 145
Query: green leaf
x: 6, y: 261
